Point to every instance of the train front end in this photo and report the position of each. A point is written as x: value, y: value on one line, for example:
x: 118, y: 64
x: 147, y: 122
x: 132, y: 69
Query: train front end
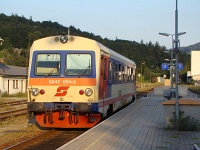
x: 62, y: 83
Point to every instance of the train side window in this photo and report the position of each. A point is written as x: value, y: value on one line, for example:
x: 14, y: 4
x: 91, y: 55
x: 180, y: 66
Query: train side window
x: 47, y: 64
x: 116, y: 72
x: 128, y: 74
x: 120, y: 73
x: 125, y: 73
x: 132, y: 74
x: 113, y: 71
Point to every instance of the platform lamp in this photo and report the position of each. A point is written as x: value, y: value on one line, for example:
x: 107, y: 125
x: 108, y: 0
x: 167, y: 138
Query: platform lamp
x: 150, y: 72
x: 141, y: 74
x: 171, y: 61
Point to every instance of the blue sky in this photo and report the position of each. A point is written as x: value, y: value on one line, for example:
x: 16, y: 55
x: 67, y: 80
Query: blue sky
x: 133, y: 20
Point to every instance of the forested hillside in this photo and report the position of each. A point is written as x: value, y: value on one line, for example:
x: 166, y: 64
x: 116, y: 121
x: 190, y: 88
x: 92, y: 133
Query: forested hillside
x: 19, y: 32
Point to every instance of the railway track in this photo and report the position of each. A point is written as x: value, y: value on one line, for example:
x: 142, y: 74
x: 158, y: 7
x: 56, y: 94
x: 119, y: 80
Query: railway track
x: 13, y: 103
x: 144, y: 93
x: 49, y: 140
x: 13, y: 108
x: 53, y: 139
x: 195, y: 92
x: 11, y: 114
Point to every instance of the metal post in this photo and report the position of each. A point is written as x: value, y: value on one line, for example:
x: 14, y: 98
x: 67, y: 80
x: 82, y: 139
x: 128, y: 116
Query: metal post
x: 176, y: 51
x: 141, y: 78
x: 171, y: 62
x: 150, y: 73
x: 150, y: 76
x: 141, y: 72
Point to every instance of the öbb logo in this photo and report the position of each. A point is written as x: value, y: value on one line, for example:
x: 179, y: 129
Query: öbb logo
x: 61, y: 91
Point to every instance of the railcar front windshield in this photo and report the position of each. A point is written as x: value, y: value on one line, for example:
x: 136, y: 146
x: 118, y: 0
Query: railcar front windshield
x: 47, y: 64
x: 78, y: 64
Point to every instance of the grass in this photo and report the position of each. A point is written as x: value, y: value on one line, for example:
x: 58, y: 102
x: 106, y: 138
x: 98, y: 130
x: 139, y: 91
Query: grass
x: 20, y: 94
x: 174, y: 136
x: 6, y: 98
x: 147, y: 85
x: 193, y: 87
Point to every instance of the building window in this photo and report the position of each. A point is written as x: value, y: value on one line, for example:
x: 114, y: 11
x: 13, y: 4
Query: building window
x: 15, y: 84
x: 4, y: 82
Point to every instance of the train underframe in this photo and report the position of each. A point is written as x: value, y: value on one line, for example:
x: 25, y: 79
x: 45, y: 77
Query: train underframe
x: 64, y: 115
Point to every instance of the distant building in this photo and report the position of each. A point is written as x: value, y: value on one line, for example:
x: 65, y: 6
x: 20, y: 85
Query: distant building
x: 195, y: 68
x: 18, y: 51
x: 13, y: 79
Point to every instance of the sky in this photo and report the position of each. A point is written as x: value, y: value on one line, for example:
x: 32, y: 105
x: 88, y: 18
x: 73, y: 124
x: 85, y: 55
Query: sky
x: 133, y: 20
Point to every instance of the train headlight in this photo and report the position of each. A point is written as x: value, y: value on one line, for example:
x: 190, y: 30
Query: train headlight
x: 63, y: 39
x: 35, y: 91
x: 88, y: 92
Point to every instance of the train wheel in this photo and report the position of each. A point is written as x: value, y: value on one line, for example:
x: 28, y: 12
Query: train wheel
x: 133, y: 98
x: 110, y: 110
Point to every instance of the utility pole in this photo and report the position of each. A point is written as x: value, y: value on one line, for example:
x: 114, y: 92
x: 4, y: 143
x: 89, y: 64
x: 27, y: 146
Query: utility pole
x: 176, y: 52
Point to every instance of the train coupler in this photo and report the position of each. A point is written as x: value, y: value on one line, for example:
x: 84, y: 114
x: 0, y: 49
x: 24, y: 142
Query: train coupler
x: 62, y: 114
x: 90, y: 118
x: 73, y: 117
x: 48, y: 115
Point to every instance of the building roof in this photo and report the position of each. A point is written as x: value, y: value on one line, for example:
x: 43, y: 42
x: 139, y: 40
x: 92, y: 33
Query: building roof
x: 9, y: 70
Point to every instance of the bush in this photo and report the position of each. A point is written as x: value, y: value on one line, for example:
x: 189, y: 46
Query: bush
x: 187, y: 123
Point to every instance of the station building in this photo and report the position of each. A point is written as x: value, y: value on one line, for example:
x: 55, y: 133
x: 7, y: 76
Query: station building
x: 13, y: 79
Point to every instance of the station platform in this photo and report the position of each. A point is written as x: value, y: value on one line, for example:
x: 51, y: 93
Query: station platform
x: 140, y: 126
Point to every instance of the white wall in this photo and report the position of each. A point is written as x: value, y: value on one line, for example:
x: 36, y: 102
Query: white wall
x: 195, y: 64
x: 6, y: 85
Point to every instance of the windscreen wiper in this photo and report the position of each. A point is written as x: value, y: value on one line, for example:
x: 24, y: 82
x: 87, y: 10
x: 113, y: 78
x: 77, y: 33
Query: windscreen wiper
x: 51, y: 72
x: 84, y: 71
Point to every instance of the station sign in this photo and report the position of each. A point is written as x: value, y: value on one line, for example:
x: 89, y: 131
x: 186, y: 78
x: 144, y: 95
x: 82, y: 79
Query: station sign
x: 180, y: 66
x: 165, y: 66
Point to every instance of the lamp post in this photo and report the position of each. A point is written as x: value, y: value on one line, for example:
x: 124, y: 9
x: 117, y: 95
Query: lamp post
x: 175, y: 49
x: 176, y: 52
x: 150, y: 73
x: 141, y: 74
x: 171, y: 61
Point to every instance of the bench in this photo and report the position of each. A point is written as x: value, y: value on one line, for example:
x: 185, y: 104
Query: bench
x: 170, y: 93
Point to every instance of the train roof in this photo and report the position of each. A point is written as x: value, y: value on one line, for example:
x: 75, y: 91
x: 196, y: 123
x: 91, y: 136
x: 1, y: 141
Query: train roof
x: 116, y: 55
x: 84, y: 43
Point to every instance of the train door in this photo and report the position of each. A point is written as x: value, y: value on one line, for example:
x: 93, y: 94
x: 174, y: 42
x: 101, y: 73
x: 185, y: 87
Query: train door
x: 103, y: 86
